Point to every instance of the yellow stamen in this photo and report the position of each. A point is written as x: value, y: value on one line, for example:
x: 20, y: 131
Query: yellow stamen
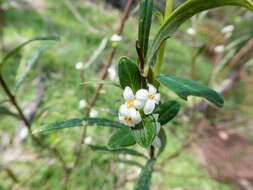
x: 152, y: 97
x: 128, y: 119
x: 130, y: 103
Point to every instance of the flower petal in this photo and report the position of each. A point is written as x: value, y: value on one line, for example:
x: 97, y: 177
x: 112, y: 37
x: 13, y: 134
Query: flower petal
x: 121, y: 119
x: 157, y: 142
x: 157, y: 98
x: 149, y: 107
x: 136, y: 117
x: 124, y: 110
x: 142, y: 94
x: 128, y: 93
x: 139, y: 104
x: 151, y: 89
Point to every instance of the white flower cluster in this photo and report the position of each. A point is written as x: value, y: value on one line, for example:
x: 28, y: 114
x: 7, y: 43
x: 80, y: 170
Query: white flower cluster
x: 143, y: 99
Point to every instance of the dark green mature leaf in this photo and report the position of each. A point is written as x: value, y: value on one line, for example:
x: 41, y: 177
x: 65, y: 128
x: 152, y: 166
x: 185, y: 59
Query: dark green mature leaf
x: 129, y: 74
x: 163, y: 138
x: 144, y: 136
x: 118, y: 151
x: 121, y: 138
x: 167, y: 111
x: 144, y: 180
x: 145, y: 20
x: 18, y: 48
x: 183, y: 13
x: 184, y: 88
x: 80, y: 122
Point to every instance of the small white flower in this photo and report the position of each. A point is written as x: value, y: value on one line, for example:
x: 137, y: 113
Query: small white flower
x: 129, y: 116
x: 227, y: 29
x: 79, y: 66
x: 112, y: 73
x: 116, y: 38
x: 191, y: 31
x: 93, y: 113
x: 219, y: 49
x: 82, y: 104
x: 88, y: 140
x: 150, y: 98
x: 131, y: 101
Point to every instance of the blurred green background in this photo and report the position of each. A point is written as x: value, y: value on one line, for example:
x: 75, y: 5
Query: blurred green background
x: 82, y: 26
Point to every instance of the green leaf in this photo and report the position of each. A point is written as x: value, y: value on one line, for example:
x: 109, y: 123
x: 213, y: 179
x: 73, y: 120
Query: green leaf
x: 121, y: 138
x: 162, y: 136
x: 117, y: 151
x: 80, y: 122
x: 18, y: 48
x: 144, y: 180
x: 145, y: 20
x: 25, y: 66
x: 129, y: 74
x: 145, y: 134
x: 167, y: 111
x: 184, y: 88
x: 183, y: 13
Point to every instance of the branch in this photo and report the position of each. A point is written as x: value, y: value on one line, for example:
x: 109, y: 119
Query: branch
x: 36, y: 140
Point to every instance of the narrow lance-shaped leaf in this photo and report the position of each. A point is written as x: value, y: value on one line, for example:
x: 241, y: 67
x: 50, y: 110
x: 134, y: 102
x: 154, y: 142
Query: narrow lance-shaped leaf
x: 129, y: 74
x: 18, y: 48
x: 183, y: 13
x: 117, y: 151
x: 145, y: 20
x: 121, y: 138
x: 184, y: 88
x: 145, y: 135
x: 27, y: 64
x: 80, y: 122
x: 144, y: 180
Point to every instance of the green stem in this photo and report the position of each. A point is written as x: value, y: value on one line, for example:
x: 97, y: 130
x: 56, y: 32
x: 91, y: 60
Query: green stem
x: 160, y: 54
